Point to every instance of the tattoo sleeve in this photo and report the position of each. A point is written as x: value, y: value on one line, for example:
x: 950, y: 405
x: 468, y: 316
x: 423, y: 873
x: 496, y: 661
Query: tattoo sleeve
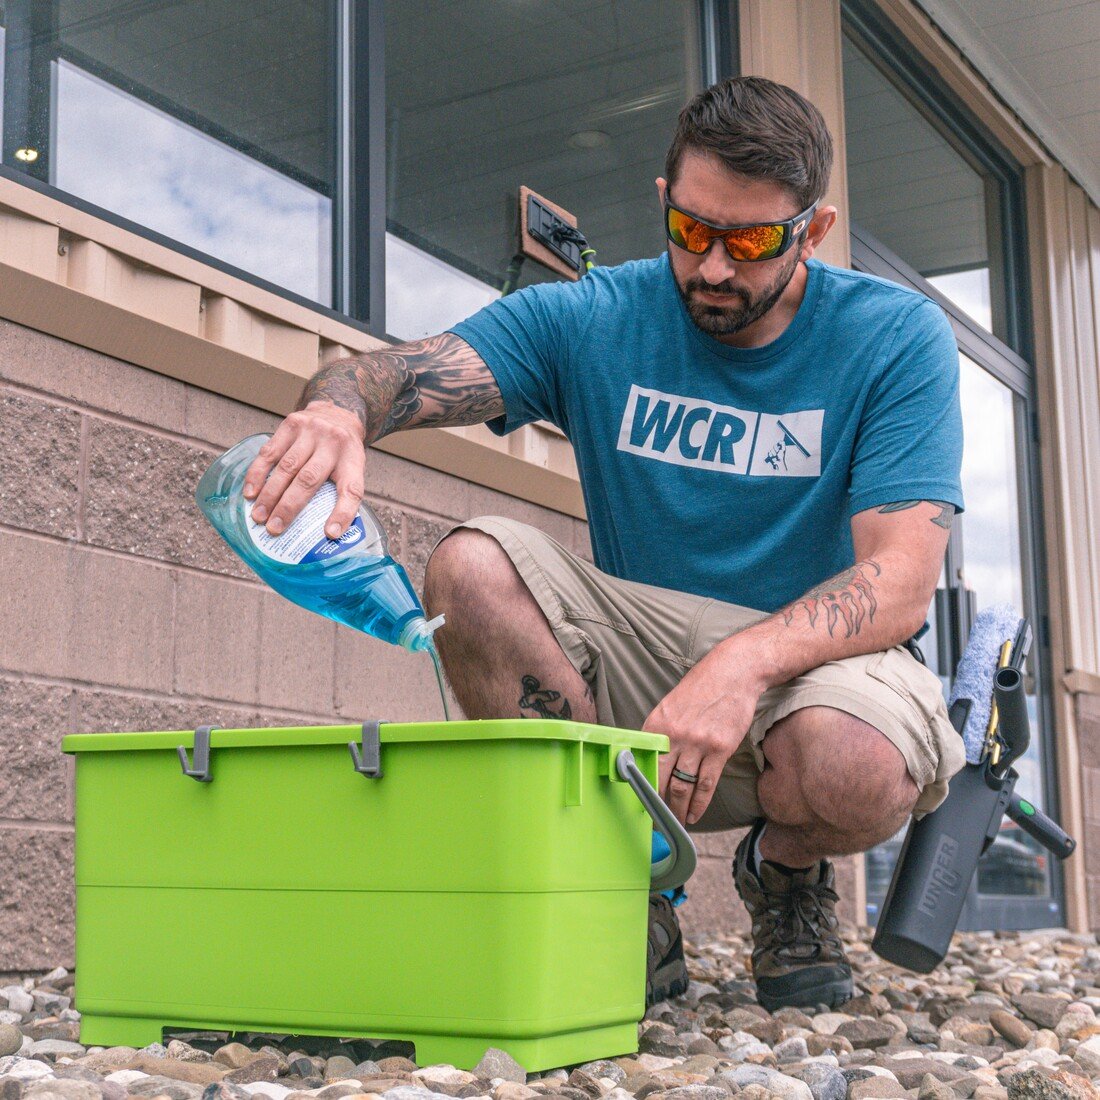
x: 434, y: 382
x: 947, y: 511
x: 844, y: 602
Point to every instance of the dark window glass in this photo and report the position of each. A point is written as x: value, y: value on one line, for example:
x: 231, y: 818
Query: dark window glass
x: 576, y: 99
x: 209, y: 121
x: 911, y: 189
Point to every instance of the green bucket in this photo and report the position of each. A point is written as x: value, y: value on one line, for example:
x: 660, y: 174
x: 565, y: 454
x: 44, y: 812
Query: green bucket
x: 457, y: 885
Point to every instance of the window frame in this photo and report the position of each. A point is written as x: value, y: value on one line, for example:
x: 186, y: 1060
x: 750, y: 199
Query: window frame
x: 1009, y: 361
x: 357, y: 105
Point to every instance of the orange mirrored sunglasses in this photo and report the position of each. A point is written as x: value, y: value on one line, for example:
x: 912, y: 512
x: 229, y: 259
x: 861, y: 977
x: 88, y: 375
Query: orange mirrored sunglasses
x: 746, y: 243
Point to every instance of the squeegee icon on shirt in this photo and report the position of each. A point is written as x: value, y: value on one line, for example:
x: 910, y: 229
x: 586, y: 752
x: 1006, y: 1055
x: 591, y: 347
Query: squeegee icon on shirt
x: 777, y: 456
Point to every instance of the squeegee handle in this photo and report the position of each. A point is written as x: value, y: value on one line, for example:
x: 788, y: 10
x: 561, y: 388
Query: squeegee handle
x: 1035, y: 823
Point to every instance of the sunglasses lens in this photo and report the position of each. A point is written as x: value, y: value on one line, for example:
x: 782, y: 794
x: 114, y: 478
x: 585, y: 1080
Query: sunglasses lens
x: 687, y: 232
x: 758, y: 242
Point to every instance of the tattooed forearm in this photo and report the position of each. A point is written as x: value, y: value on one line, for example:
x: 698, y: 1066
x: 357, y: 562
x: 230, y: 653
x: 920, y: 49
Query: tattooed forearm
x: 538, y: 699
x: 438, y: 381
x: 846, y: 600
x: 947, y: 511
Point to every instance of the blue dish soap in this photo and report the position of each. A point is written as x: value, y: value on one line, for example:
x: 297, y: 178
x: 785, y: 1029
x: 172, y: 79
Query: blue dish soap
x: 352, y: 579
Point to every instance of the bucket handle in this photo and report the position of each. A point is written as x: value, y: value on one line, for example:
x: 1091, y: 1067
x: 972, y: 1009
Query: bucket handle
x: 679, y: 865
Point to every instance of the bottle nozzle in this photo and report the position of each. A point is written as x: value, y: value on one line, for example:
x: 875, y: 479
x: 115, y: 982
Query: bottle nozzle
x: 417, y: 634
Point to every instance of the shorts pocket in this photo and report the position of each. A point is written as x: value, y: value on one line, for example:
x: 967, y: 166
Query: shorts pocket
x: 898, y: 670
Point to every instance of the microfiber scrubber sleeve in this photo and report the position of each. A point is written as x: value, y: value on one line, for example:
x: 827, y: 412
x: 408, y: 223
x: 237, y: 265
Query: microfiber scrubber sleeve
x: 974, y: 677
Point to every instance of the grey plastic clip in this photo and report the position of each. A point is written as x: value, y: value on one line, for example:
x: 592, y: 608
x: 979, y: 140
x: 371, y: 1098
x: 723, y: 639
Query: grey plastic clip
x: 368, y: 755
x: 201, y: 769
x: 679, y: 865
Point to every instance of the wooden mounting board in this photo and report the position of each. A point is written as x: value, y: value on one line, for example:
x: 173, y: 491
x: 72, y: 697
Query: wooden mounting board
x: 531, y: 248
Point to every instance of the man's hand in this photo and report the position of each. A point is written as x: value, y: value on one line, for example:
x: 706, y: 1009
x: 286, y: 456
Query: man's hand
x: 350, y: 404
x: 311, y: 446
x: 705, y: 718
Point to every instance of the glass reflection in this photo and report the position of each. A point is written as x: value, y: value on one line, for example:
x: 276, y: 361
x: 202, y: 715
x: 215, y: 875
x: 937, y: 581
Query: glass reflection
x: 487, y: 95
x: 139, y: 162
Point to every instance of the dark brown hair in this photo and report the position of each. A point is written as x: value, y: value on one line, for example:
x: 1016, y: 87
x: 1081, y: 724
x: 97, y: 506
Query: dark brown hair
x: 759, y: 129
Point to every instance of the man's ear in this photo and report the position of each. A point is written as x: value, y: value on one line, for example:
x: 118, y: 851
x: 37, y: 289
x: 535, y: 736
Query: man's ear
x: 823, y: 220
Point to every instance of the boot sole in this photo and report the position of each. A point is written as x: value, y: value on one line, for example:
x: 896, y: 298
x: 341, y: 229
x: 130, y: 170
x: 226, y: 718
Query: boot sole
x: 832, y: 993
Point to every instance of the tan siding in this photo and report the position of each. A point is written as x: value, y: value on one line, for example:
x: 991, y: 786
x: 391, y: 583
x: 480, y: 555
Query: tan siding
x: 71, y: 275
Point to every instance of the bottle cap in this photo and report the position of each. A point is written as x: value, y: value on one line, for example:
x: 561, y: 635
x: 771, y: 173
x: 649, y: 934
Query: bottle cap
x: 417, y: 634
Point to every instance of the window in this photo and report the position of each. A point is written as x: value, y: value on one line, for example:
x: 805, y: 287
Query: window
x: 935, y: 206
x: 207, y: 121
x: 577, y: 99
x: 328, y: 148
x: 913, y: 191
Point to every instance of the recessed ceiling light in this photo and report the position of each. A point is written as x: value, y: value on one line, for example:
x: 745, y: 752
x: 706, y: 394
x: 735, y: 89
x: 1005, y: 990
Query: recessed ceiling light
x: 27, y: 155
x: 589, y: 139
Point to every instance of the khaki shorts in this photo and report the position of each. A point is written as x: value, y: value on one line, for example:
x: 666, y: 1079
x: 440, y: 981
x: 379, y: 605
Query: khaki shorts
x: 633, y: 643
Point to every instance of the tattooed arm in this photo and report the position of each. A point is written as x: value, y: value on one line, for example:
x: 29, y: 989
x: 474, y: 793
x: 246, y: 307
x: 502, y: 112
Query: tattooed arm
x: 352, y: 403
x: 877, y: 603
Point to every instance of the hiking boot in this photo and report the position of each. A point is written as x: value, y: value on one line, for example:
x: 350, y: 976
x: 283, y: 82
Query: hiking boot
x: 797, y: 956
x: 665, y: 970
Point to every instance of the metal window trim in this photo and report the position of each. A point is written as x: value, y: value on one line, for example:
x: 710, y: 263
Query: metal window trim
x: 1005, y: 364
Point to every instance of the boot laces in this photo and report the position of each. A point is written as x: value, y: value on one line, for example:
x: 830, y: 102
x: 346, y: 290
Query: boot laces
x: 800, y: 919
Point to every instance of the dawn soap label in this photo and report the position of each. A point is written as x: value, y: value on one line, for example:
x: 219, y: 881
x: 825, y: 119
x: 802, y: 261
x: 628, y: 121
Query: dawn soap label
x: 305, y: 540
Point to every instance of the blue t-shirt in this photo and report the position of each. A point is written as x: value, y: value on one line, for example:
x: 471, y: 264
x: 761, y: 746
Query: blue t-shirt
x: 722, y: 471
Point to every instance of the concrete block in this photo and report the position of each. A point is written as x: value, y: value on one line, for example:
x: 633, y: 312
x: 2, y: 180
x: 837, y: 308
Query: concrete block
x: 712, y: 905
x: 1092, y: 887
x: 39, y: 465
x: 103, y: 711
x: 720, y: 845
x: 1091, y: 845
x: 392, y: 520
x: 421, y: 536
x: 1088, y: 728
x: 140, y: 499
x: 404, y: 482
x: 217, y: 637
x: 221, y: 421
x: 36, y: 773
x: 37, y: 604
x: 376, y: 680
x: 297, y: 657
x: 582, y: 543
x: 489, y: 502
x: 1091, y: 785
x: 846, y: 868
x: 120, y: 618
x: 36, y: 898
x: 76, y: 613
x: 89, y: 378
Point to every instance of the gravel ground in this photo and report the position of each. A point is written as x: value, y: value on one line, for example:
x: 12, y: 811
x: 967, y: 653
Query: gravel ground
x: 1007, y: 1017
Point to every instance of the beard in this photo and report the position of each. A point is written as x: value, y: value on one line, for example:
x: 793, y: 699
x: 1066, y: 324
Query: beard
x: 726, y: 320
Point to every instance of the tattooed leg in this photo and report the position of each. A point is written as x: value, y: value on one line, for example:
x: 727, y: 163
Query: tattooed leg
x: 497, y: 648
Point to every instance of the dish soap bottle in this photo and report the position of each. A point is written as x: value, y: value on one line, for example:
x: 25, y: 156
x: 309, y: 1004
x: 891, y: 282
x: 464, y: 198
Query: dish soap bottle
x: 351, y: 579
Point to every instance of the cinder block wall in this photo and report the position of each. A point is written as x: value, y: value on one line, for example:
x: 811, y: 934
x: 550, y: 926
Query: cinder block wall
x: 122, y: 610
x: 1088, y: 735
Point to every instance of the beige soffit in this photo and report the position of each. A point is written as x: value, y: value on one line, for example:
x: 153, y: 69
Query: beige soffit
x: 960, y: 77
x: 83, y: 279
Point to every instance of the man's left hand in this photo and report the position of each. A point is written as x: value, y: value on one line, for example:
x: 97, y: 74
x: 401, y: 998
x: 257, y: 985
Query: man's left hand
x: 705, y: 718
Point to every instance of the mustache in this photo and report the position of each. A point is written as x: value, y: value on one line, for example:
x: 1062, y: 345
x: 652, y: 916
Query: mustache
x: 721, y: 288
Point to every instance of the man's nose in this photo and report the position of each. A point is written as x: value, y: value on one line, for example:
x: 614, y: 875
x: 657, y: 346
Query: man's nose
x: 718, y: 265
